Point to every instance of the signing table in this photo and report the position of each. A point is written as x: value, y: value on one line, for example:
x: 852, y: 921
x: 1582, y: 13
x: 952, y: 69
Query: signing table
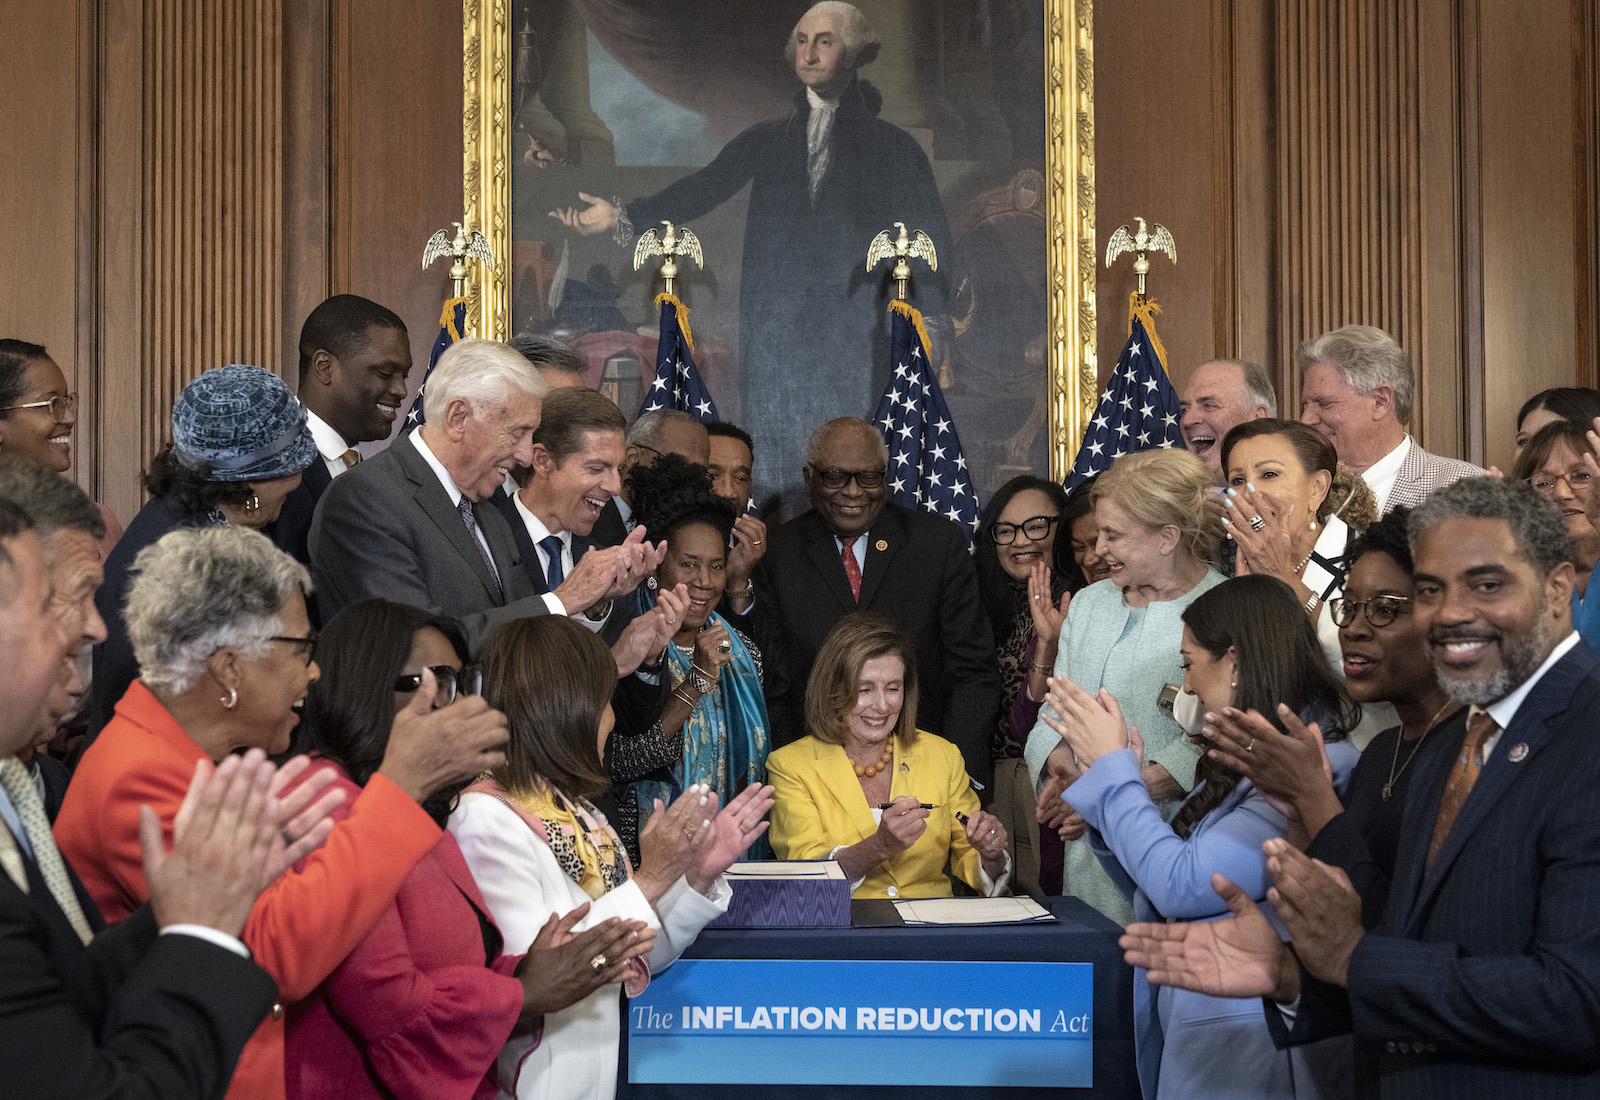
x: 1005, y: 1011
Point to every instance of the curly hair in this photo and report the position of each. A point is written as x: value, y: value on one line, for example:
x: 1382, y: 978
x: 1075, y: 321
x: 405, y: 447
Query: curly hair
x: 673, y: 492
x: 1536, y: 524
x: 190, y: 484
x: 1387, y: 536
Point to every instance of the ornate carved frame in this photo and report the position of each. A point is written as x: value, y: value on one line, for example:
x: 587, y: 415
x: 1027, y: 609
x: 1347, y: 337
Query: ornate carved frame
x: 1069, y: 169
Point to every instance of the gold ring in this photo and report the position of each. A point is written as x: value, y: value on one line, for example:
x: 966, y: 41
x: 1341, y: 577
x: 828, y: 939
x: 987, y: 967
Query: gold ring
x: 598, y: 963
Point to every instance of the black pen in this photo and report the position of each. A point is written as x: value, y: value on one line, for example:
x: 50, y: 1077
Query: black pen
x: 924, y: 805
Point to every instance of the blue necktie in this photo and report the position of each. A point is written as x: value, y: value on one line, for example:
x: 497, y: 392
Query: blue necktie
x: 553, y: 573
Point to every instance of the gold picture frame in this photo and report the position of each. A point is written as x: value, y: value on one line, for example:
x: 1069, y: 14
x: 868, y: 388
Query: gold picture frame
x: 1069, y: 160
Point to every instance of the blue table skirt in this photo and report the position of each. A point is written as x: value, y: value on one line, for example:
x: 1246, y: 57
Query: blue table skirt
x: 1080, y: 935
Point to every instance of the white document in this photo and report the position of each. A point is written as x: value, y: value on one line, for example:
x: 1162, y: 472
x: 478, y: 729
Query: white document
x: 823, y: 868
x: 954, y: 911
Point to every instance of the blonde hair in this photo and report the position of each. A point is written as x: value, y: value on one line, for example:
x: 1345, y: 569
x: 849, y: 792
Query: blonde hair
x: 835, y: 682
x: 1164, y: 488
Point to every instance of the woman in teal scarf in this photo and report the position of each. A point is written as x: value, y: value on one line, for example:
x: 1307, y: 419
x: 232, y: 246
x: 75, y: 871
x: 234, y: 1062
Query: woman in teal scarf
x: 713, y: 725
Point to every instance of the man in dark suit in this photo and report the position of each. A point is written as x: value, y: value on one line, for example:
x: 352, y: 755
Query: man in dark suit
x: 415, y: 523
x: 354, y: 359
x: 1483, y: 977
x: 853, y: 551
x: 577, y: 452
x: 126, y: 1012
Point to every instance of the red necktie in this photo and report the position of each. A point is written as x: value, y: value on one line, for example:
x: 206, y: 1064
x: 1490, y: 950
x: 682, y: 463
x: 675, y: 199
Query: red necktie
x: 852, y: 571
x: 1462, y: 777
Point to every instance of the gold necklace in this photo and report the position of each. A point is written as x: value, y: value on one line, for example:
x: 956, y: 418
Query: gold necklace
x: 869, y: 770
x: 1396, y: 769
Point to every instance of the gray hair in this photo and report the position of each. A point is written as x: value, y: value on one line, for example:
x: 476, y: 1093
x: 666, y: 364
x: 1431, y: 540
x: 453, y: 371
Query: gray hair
x: 648, y: 430
x: 1258, y: 388
x: 480, y: 372
x: 547, y: 353
x: 200, y: 589
x: 861, y: 42
x: 55, y: 503
x: 1365, y: 358
x: 1535, y: 522
x: 814, y: 444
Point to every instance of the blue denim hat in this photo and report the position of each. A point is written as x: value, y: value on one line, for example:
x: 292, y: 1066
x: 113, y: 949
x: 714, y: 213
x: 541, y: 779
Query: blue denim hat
x: 243, y: 424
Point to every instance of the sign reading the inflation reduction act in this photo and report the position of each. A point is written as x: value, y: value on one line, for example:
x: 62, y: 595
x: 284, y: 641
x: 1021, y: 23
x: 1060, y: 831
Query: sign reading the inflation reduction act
x: 828, y: 1022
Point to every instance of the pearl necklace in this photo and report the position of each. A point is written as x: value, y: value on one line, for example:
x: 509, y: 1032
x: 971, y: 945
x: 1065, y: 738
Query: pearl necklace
x: 869, y: 770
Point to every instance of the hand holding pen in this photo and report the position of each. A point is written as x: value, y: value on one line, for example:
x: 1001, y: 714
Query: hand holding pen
x: 904, y: 821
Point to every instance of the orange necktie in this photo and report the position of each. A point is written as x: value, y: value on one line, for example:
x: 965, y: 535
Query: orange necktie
x: 852, y: 571
x: 1479, y: 728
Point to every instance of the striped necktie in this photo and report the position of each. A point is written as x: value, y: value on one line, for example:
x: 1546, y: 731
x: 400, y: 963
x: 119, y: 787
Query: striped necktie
x: 18, y: 785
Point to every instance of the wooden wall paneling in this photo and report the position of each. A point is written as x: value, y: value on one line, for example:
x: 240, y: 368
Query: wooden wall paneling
x: 309, y: 167
x: 1528, y: 168
x: 1586, y: 149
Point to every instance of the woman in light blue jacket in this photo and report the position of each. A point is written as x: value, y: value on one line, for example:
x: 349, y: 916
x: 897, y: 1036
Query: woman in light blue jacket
x: 1246, y: 644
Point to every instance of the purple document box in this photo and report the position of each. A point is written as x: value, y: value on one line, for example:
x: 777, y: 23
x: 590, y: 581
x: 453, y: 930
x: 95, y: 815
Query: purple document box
x: 787, y: 894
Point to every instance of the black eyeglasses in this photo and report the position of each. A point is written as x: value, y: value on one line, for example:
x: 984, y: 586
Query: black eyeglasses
x: 1034, y: 529
x: 1380, y: 610
x: 450, y: 683
x: 838, y: 479
x: 305, y: 646
x: 60, y: 407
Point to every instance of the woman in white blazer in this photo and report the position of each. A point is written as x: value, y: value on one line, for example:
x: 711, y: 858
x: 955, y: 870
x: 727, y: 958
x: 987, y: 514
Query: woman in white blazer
x: 537, y: 846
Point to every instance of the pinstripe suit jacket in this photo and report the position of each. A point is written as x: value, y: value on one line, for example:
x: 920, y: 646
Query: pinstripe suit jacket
x: 1421, y: 473
x: 1483, y: 979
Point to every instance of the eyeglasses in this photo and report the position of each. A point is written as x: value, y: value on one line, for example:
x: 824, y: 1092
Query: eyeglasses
x: 838, y: 479
x: 1034, y: 529
x: 60, y: 407
x: 1577, y: 480
x: 450, y: 683
x: 1380, y: 610
x: 306, y: 646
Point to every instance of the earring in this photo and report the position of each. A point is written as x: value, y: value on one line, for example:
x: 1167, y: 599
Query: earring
x: 650, y: 583
x: 253, y: 504
x: 232, y: 700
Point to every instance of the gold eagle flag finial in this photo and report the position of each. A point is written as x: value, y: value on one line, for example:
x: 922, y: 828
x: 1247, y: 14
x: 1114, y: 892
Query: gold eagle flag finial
x: 904, y: 248
x: 673, y: 243
x: 1141, y: 244
x: 465, y: 245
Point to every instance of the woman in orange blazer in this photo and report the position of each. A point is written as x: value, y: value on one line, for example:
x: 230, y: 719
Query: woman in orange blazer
x: 217, y: 617
x: 890, y: 802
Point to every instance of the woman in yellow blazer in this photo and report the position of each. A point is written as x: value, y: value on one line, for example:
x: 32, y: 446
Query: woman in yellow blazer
x: 890, y: 802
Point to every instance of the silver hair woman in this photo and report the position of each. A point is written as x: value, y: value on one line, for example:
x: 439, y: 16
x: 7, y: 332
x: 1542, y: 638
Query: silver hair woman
x: 217, y: 618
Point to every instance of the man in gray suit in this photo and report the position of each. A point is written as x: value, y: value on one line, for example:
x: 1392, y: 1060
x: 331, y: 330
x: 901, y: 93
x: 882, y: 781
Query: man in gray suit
x: 415, y: 523
x: 1358, y: 389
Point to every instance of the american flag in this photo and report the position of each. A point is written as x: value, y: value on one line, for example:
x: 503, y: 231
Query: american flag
x: 926, y: 467
x: 1138, y: 409
x: 452, y: 322
x: 677, y: 383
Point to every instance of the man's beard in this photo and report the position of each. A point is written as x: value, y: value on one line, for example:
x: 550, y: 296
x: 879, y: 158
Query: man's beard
x: 1517, y: 663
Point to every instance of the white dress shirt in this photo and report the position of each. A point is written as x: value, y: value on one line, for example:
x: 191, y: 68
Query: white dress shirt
x: 538, y: 532
x: 455, y: 495
x: 1381, y: 475
x: 331, y: 446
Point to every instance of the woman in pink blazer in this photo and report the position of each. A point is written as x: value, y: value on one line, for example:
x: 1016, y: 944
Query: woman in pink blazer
x: 423, y: 1005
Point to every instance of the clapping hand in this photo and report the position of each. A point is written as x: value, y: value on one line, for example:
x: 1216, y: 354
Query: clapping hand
x: 749, y: 546
x: 1237, y: 956
x: 1292, y: 772
x: 1047, y: 616
x: 1262, y: 533
x: 1091, y: 724
x: 1319, y: 907
x: 670, y: 842
x: 558, y: 971
x: 649, y: 633
x: 732, y: 832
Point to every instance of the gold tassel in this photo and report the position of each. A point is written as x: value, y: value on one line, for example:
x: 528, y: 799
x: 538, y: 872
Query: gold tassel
x: 1146, y: 312
x: 907, y: 310
x: 683, y: 317
x: 447, y: 318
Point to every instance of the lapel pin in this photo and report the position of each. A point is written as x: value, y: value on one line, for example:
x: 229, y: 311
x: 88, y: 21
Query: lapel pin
x: 881, y: 544
x: 1518, y: 753
x: 905, y: 767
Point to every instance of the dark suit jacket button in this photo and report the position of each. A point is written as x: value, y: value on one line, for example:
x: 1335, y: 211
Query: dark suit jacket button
x: 1433, y: 1048
x: 1391, y: 1048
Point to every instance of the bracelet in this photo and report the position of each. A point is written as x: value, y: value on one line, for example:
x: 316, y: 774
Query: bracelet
x: 1046, y: 669
x: 748, y: 592
x: 681, y: 694
x: 712, y: 676
x: 1312, y: 604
